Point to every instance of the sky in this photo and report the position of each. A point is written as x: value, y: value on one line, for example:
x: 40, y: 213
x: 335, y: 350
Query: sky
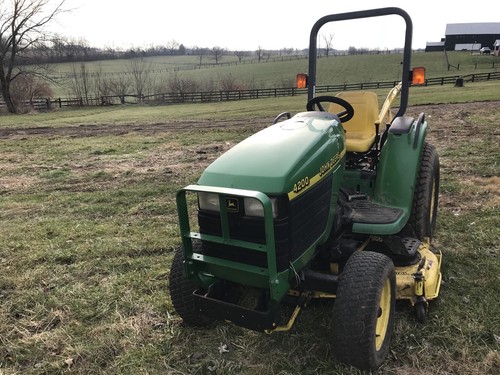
x: 268, y: 24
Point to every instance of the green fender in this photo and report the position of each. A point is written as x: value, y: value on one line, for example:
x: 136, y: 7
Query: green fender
x: 397, y: 172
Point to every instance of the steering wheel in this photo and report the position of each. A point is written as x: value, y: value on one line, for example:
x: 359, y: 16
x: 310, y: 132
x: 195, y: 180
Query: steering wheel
x: 344, y: 116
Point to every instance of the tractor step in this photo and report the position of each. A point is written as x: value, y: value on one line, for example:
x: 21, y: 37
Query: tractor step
x: 367, y: 212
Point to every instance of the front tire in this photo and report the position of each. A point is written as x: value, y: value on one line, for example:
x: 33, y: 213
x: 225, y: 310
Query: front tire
x: 181, y: 292
x: 363, y: 313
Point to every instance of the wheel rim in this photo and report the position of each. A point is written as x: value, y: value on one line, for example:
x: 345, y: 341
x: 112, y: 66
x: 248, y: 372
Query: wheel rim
x: 383, y: 315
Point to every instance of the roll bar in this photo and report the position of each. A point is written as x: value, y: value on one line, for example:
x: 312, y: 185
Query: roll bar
x: 311, y: 82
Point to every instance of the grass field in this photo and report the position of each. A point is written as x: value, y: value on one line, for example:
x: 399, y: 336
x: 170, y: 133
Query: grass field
x: 141, y: 115
x: 332, y: 70
x: 89, y: 227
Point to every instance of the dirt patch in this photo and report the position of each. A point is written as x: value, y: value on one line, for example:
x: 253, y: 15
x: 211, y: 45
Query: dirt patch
x: 91, y: 130
x: 450, y: 119
x: 450, y: 125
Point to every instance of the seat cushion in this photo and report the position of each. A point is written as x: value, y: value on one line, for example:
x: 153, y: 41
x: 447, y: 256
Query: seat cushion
x: 360, y: 130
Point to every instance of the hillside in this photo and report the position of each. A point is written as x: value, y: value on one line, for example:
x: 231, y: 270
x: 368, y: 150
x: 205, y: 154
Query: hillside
x: 250, y: 74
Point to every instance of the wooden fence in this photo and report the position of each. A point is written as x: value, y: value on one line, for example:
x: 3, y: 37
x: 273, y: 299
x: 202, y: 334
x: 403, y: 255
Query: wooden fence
x: 231, y: 95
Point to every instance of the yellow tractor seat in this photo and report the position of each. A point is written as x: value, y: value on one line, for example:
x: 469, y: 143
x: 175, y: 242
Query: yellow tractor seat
x: 360, y: 130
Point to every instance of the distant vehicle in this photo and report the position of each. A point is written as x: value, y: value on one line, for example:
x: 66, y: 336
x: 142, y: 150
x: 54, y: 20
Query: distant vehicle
x: 485, y: 51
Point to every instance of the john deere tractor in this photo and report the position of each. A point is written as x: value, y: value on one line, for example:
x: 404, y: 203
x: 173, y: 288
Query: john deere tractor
x: 339, y: 202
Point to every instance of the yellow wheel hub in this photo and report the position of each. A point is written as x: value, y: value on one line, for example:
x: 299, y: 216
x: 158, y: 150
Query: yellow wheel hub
x: 383, y: 315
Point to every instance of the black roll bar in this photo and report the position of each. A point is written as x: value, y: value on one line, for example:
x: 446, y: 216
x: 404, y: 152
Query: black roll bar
x: 311, y: 83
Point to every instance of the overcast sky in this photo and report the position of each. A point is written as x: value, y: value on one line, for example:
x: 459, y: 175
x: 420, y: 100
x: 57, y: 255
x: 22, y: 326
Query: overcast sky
x: 270, y: 24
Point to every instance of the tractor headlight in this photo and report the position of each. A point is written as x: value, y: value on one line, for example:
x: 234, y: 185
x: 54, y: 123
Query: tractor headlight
x: 208, y: 202
x: 254, y: 208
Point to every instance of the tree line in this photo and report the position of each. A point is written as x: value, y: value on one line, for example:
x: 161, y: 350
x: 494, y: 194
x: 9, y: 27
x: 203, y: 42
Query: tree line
x: 61, y: 49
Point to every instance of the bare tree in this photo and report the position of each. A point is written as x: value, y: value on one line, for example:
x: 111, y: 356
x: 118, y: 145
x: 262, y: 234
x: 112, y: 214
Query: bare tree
x: 200, y: 51
x: 286, y: 51
x: 80, y: 82
x: 228, y: 83
x: 173, y: 47
x: 179, y: 86
x: 102, y: 86
x: 239, y: 55
x: 259, y: 53
x: 22, y: 24
x: 217, y: 53
x: 25, y: 88
x: 140, y: 73
x: 328, y: 43
x: 120, y: 87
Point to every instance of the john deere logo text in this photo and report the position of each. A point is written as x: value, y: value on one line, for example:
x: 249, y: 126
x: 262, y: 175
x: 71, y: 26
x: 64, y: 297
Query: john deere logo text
x: 325, y: 168
x: 232, y: 204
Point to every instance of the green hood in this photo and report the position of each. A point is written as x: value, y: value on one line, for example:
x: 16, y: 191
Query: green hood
x: 276, y: 158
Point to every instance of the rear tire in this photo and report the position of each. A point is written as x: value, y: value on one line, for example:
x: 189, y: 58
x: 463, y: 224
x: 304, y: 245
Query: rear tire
x: 425, y: 200
x: 363, y: 313
x: 181, y: 292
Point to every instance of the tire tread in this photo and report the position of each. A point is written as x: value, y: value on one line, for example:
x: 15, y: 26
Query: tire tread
x: 353, y: 324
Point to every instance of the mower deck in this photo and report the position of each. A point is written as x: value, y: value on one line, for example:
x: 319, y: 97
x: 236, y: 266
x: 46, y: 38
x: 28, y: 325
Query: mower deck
x: 417, y: 283
x: 430, y: 269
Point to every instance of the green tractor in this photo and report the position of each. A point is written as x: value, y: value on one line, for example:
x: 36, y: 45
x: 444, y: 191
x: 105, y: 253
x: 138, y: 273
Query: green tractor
x: 338, y: 203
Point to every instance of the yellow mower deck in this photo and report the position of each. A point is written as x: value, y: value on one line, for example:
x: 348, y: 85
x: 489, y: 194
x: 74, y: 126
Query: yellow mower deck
x: 407, y: 287
x: 417, y: 283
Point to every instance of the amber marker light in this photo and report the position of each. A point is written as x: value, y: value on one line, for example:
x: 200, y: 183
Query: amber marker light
x: 418, y: 76
x: 301, y: 80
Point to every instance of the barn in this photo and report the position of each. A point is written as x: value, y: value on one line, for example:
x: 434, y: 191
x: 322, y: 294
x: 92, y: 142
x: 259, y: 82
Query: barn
x: 467, y: 36
x: 434, y: 46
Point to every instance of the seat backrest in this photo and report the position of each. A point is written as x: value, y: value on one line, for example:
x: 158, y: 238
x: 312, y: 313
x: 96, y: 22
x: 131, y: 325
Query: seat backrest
x: 360, y: 130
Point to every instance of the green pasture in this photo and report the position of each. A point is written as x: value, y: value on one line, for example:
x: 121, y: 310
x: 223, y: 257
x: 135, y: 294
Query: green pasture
x: 251, y: 74
x: 139, y: 114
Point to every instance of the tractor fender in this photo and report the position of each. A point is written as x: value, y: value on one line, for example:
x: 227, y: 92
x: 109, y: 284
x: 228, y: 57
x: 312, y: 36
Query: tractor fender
x: 399, y: 164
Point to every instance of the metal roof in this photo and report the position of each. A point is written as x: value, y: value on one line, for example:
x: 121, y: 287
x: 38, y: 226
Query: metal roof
x: 473, y: 28
x: 435, y: 44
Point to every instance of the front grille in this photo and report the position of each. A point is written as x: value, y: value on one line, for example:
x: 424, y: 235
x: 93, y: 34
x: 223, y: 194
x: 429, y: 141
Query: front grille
x: 294, y: 232
x: 249, y: 229
x: 309, y: 215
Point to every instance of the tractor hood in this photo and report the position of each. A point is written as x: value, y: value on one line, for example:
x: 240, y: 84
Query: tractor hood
x: 286, y: 157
